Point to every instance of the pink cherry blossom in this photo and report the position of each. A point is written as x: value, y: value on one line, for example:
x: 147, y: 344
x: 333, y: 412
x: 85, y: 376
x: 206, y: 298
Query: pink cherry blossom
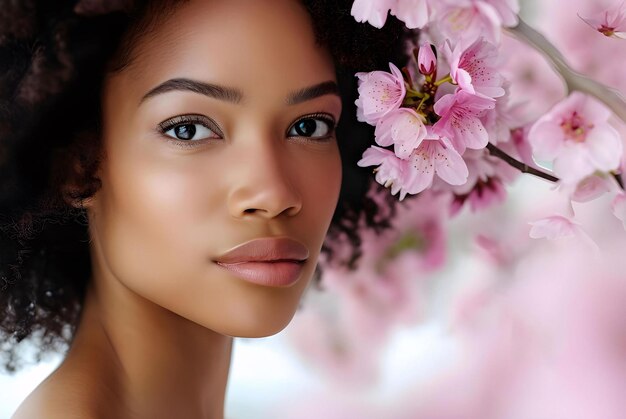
x: 485, y: 194
x: 391, y: 172
x: 460, y: 119
x: 485, y: 183
x: 372, y: 11
x: 576, y: 135
x: 472, y: 19
x: 611, y: 22
x: 554, y: 227
x: 595, y: 56
x: 404, y: 128
x: 380, y: 92
x: 560, y: 227
x: 414, y: 13
x: 426, y: 217
x: 519, y: 141
x: 435, y: 154
x: 504, y: 119
x: 619, y: 207
x: 426, y: 60
x: 474, y: 68
x: 590, y: 188
x: 507, y: 11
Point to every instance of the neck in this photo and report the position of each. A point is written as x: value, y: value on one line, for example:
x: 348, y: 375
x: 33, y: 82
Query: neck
x: 145, y: 361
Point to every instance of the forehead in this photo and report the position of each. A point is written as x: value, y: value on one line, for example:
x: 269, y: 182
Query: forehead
x: 261, y: 47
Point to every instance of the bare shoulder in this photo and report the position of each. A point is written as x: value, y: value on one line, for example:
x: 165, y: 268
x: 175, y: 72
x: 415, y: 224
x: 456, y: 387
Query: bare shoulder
x: 60, y: 396
x: 47, y: 402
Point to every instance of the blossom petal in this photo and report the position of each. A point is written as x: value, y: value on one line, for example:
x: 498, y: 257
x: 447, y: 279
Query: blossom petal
x: 414, y: 13
x: 546, y: 139
x: 573, y: 164
x: 372, y: 11
x: 594, y: 111
x: 460, y: 119
x: 553, y: 227
x: 422, y: 169
x: 590, y: 188
x: 382, y: 133
x: 618, y: 206
x: 450, y: 166
x: 373, y: 156
x: 408, y: 131
x: 557, y: 227
x: 605, y: 147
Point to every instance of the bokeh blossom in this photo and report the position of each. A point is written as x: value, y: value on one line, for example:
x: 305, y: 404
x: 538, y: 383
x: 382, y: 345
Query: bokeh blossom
x: 372, y: 11
x: 486, y: 183
x: 618, y: 207
x: 472, y: 19
x: 414, y: 13
x: 554, y: 227
x: 611, y: 22
x: 577, y: 136
x: 590, y: 188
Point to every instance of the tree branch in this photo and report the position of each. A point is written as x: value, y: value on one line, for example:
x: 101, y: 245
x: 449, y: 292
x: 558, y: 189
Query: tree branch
x: 522, y: 167
x: 572, y: 79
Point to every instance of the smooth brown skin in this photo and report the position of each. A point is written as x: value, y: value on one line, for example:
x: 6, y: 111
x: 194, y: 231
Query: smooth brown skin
x: 155, y: 337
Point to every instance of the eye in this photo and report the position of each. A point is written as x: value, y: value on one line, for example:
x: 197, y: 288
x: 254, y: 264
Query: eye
x: 313, y: 126
x: 190, y: 128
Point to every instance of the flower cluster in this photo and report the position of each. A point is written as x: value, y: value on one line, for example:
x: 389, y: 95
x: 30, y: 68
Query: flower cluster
x: 426, y: 123
x: 443, y: 119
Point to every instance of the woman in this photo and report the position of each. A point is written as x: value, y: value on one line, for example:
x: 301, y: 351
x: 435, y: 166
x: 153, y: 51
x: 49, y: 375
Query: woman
x: 196, y: 142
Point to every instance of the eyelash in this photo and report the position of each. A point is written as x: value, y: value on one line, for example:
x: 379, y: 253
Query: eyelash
x: 167, y: 125
x: 328, y: 119
x: 188, y: 119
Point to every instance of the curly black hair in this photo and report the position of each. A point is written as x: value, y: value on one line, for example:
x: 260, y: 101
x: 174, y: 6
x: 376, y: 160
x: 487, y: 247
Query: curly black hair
x: 53, y: 59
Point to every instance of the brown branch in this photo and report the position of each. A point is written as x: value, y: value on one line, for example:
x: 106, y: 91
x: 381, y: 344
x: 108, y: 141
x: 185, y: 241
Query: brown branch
x: 522, y: 167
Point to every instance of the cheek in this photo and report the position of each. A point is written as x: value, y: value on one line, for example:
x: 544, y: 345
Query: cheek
x: 322, y: 190
x: 150, y: 218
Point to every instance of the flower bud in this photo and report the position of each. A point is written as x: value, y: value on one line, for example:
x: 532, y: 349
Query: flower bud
x: 426, y: 60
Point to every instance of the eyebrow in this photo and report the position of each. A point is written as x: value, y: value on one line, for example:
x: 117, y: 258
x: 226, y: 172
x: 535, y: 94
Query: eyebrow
x: 233, y: 95
x: 312, y: 92
x: 227, y: 94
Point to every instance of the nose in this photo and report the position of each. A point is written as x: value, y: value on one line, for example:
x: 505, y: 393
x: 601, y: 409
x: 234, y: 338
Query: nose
x: 264, y: 184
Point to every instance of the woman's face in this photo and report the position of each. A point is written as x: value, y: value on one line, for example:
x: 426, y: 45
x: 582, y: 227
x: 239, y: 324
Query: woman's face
x: 213, y: 138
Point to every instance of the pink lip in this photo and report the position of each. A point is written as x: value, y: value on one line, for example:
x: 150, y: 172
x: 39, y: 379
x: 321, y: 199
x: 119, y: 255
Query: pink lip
x: 274, y: 262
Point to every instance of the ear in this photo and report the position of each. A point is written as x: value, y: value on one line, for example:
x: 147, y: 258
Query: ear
x: 74, y: 190
x: 75, y: 170
x: 72, y: 196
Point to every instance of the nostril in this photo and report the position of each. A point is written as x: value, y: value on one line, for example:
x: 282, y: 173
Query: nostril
x: 249, y: 211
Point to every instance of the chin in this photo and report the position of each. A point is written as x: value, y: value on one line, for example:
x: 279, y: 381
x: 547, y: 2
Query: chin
x: 257, y: 326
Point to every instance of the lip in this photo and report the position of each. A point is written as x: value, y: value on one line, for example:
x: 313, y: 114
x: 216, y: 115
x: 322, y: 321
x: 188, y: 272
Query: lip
x: 274, y: 262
